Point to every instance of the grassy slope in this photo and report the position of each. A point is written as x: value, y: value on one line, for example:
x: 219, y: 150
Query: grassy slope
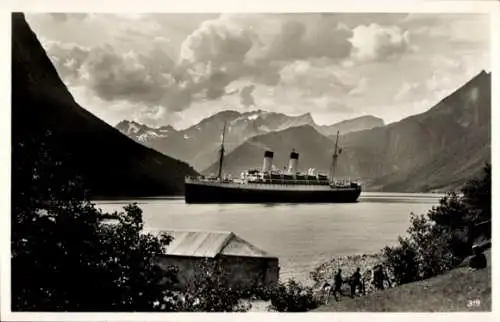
x: 444, y: 293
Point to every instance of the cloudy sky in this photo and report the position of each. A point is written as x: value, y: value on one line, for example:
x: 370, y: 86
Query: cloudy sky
x: 176, y: 69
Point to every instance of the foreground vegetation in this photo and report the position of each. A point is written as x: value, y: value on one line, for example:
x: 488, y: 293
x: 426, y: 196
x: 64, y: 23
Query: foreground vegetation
x: 436, y: 242
x: 65, y: 257
x: 421, y: 271
x: 441, y: 239
x: 457, y: 290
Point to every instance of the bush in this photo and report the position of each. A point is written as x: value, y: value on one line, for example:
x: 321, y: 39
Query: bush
x: 402, y: 261
x: 443, y: 238
x: 432, y: 247
x: 66, y: 258
x: 477, y: 196
x: 208, y: 291
x: 293, y: 297
x: 260, y: 292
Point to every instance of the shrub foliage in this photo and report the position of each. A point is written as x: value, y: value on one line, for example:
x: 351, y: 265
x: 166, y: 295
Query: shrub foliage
x: 293, y: 297
x: 66, y: 257
x: 442, y: 238
x: 209, y: 291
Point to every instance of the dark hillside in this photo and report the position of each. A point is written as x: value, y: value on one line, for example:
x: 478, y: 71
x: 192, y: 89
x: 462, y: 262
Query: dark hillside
x: 110, y: 163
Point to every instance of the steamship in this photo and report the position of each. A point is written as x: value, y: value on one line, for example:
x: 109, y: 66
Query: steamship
x: 268, y: 185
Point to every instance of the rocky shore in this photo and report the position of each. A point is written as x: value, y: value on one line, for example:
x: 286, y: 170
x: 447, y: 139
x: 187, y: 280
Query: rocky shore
x: 325, y: 272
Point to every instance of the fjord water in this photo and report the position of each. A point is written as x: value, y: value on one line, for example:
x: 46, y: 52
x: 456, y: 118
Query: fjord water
x: 300, y: 235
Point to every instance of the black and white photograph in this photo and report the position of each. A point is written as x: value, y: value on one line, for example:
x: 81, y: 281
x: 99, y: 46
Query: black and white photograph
x: 279, y: 162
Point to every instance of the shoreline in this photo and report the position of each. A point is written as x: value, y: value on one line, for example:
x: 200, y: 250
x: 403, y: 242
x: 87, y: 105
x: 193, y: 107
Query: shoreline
x: 364, y: 193
x: 325, y: 268
x: 325, y: 271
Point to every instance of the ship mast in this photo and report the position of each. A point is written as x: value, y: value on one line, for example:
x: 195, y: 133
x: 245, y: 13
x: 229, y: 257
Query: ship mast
x: 336, y: 153
x: 221, y: 159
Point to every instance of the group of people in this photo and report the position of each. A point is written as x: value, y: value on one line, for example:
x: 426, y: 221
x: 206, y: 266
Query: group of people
x: 379, y: 278
x: 356, y: 282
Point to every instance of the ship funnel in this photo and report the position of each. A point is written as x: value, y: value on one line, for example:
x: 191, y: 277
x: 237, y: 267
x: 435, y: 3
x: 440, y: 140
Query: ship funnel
x: 292, y: 164
x: 268, y: 161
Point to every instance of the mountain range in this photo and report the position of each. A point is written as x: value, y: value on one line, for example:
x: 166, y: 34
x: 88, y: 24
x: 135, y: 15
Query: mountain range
x: 351, y: 125
x: 110, y: 163
x: 437, y: 150
x: 199, y: 144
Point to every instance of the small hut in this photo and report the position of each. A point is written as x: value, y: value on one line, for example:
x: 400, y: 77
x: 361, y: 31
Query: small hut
x: 244, y: 265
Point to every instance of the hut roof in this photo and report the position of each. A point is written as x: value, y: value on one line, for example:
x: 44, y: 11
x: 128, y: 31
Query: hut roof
x: 209, y: 244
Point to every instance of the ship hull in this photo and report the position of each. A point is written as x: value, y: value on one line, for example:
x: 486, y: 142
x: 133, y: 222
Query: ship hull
x: 200, y: 193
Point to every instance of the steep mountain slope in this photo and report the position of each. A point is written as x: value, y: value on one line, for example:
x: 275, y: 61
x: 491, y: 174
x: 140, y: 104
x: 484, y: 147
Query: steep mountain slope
x: 435, y: 150
x: 352, y: 125
x: 110, y: 163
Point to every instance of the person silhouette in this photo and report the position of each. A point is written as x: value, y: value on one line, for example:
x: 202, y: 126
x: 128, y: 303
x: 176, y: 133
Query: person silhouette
x: 338, y: 284
x: 478, y: 260
x: 356, y: 282
x: 378, y: 277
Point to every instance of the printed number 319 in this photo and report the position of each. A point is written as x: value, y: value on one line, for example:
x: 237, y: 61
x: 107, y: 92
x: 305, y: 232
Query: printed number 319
x: 473, y: 303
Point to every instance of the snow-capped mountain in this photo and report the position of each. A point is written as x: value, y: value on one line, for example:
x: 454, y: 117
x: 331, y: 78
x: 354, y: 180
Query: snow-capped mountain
x: 199, y: 143
x: 143, y: 133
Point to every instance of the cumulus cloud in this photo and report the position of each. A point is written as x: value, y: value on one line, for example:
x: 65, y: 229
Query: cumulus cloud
x: 457, y: 28
x: 152, y: 114
x: 161, y: 65
x: 332, y: 104
x: 218, y: 52
x: 323, y: 36
x: 436, y: 86
x: 213, y: 56
x: 448, y: 63
x: 360, y: 88
x: 150, y: 79
x: 66, y: 57
x: 218, y: 41
x: 63, y: 17
x: 379, y: 43
x: 153, y: 79
x: 119, y: 109
x: 247, y: 99
x: 227, y: 49
x: 315, y: 79
x: 119, y: 76
x: 409, y: 90
x: 235, y: 47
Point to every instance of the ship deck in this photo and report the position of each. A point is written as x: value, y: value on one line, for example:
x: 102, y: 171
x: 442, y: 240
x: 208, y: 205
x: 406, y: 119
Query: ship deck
x: 272, y: 186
